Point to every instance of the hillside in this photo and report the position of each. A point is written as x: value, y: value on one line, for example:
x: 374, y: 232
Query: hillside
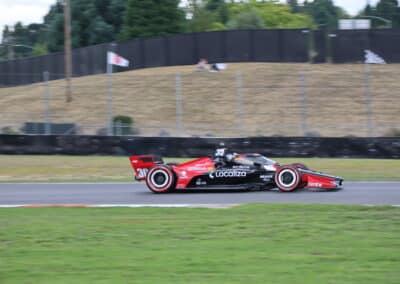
x: 270, y: 101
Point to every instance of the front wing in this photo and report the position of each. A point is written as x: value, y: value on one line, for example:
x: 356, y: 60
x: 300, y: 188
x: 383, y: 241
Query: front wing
x: 313, y: 179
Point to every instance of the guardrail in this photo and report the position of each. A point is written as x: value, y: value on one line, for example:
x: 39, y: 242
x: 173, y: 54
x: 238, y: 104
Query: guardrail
x: 349, y: 147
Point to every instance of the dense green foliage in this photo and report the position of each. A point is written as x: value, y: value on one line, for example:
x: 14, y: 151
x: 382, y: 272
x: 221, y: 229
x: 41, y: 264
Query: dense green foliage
x: 207, y: 15
x: 93, y: 22
x: 123, y: 125
x: 30, y: 39
x: 247, y: 19
x: 294, y: 6
x: 273, y: 15
x: 324, y: 13
x: 385, y: 9
x: 220, y: 8
x: 146, y: 18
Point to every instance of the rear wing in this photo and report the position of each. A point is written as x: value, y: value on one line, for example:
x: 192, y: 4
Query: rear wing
x: 141, y: 165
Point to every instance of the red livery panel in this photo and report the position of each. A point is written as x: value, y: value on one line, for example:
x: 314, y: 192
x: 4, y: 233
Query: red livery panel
x: 187, y: 171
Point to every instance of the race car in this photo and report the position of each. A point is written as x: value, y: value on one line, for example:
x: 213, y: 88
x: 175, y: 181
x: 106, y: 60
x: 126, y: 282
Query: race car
x: 226, y: 170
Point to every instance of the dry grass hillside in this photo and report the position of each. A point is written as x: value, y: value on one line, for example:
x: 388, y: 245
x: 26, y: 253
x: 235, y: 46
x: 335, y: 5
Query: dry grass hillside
x: 267, y: 100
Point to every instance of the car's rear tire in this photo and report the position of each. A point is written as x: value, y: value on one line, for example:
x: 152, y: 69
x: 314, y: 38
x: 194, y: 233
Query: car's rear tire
x: 288, y: 178
x: 160, y: 179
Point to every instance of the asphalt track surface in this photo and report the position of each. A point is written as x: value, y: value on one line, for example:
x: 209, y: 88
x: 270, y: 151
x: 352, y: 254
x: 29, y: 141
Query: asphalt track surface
x: 361, y: 193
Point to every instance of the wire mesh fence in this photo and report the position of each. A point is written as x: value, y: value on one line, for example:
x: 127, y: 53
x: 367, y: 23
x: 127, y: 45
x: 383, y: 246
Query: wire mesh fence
x: 300, y: 100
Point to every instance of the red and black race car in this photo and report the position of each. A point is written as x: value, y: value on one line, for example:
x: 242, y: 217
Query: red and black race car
x: 228, y: 171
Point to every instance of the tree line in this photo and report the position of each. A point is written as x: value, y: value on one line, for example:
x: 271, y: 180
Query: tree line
x: 99, y: 21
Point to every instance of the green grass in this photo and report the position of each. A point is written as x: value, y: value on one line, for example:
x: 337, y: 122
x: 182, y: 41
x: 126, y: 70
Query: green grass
x: 253, y: 244
x: 117, y: 169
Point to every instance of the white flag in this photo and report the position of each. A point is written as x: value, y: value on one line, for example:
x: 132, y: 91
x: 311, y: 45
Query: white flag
x: 373, y: 58
x: 115, y: 59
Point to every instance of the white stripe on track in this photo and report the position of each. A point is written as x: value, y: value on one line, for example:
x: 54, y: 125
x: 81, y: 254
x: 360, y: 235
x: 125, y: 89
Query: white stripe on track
x: 12, y: 206
x: 214, y: 206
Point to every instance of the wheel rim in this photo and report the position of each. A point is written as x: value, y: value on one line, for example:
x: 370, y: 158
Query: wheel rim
x: 159, y: 178
x: 287, y: 178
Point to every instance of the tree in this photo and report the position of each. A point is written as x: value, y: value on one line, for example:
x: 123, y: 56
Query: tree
x: 39, y: 49
x: 217, y: 26
x: 56, y: 32
x: 145, y: 18
x: 205, y: 15
x: 20, y: 41
x: 202, y: 20
x: 54, y: 20
x: 249, y: 19
x: 219, y: 8
x: 6, y: 32
x: 5, y: 40
x: 389, y: 9
x: 294, y: 6
x: 100, y: 31
x: 325, y: 13
x: 115, y: 14
x: 368, y: 11
x: 93, y: 22
x: 274, y: 14
x: 386, y: 9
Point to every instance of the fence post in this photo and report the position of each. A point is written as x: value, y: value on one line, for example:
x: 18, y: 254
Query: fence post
x: 118, y: 128
x: 47, y: 118
x: 178, y: 98
x: 239, y: 102
x: 304, y: 111
x: 110, y: 129
x: 368, y: 99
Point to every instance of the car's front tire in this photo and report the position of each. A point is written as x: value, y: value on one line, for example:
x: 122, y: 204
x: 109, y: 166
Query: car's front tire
x: 160, y: 179
x: 303, y: 167
x: 288, y: 178
x: 300, y: 166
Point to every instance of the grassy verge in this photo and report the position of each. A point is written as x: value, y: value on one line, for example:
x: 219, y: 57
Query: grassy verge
x: 253, y: 244
x: 118, y: 169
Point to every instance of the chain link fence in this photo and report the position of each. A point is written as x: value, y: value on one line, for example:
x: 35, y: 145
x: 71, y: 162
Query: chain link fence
x: 281, y: 100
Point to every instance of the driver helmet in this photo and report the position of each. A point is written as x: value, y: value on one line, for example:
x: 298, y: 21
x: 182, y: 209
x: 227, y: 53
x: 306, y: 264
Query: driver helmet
x: 229, y: 157
x: 224, y: 154
x: 220, y: 152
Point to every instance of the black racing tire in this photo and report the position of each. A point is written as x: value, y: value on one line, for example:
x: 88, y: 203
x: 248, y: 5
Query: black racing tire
x: 160, y: 179
x: 288, y: 178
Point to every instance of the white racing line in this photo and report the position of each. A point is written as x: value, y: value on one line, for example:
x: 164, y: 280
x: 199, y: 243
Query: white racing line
x: 212, y: 206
